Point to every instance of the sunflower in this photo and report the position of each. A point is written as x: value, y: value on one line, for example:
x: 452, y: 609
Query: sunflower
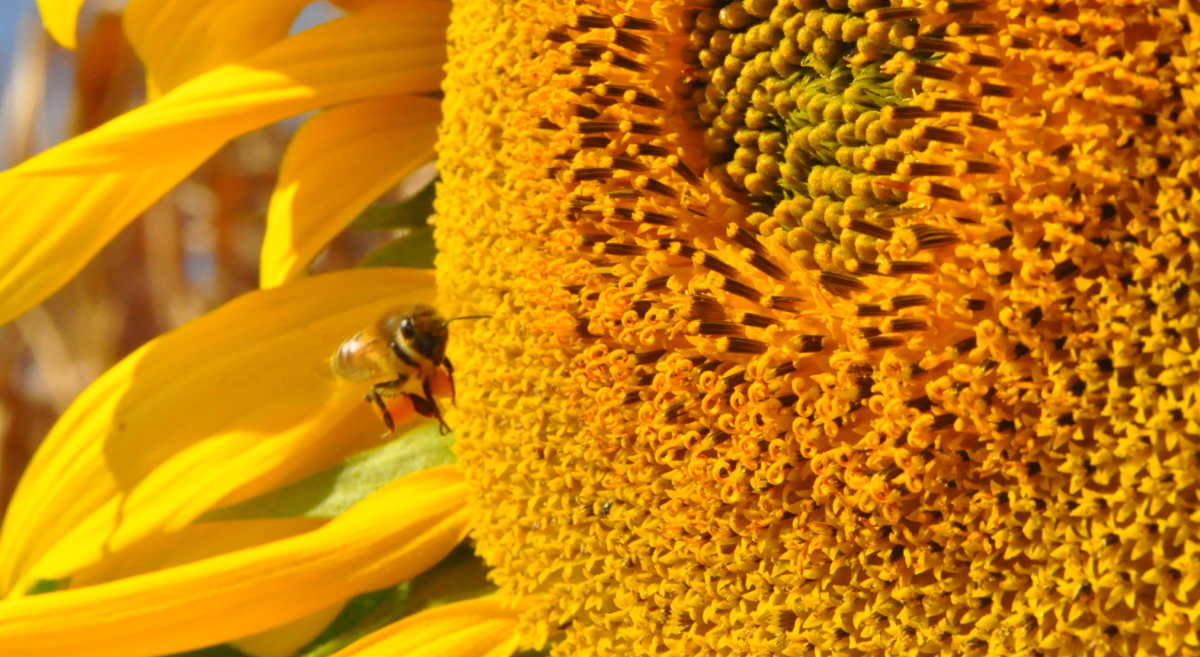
x: 837, y: 327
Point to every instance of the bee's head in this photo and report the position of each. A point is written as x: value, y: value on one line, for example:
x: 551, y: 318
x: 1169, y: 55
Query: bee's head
x: 425, y: 332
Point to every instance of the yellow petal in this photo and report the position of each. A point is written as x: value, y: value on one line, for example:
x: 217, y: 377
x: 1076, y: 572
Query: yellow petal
x: 336, y: 165
x: 53, y: 227
x: 179, y: 39
x: 390, y: 537
x: 372, y: 53
x: 285, y: 640
x: 192, y: 543
x: 473, y: 628
x: 226, y: 407
x: 60, y: 17
x: 209, y: 539
x: 417, y: 445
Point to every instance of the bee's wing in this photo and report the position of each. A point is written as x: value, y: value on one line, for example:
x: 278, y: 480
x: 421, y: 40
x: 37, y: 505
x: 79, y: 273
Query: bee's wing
x: 323, y: 371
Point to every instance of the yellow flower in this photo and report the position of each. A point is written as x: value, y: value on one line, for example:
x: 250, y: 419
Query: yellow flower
x: 830, y: 327
x: 211, y: 415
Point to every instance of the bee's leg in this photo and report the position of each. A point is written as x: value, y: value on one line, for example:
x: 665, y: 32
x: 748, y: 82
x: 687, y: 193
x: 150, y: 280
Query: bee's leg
x: 388, y: 388
x: 429, y: 408
x: 427, y: 386
x: 450, y: 371
x: 375, y: 398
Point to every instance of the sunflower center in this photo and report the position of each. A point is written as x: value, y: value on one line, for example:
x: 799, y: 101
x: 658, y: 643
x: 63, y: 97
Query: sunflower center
x: 819, y: 114
x: 782, y: 98
x: 823, y: 325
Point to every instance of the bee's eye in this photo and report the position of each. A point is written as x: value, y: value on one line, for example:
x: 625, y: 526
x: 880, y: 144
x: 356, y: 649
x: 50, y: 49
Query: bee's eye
x: 406, y: 329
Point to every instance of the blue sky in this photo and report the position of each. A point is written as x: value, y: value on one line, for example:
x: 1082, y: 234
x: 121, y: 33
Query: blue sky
x: 10, y: 11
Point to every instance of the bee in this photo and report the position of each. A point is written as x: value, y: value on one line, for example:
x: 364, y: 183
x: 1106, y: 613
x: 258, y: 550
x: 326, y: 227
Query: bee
x: 401, y: 354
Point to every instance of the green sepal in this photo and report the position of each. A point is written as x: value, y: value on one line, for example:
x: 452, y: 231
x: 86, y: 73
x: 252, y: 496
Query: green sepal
x: 460, y: 576
x: 48, y: 586
x: 415, y: 250
x: 412, y: 213
x: 327, y: 494
x: 223, y: 650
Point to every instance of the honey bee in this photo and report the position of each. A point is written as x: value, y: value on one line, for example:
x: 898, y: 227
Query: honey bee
x: 400, y: 353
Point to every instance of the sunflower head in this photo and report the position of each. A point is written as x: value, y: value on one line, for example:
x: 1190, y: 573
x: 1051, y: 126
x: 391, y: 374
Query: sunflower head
x: 827, y: 325
x: 811, y: 327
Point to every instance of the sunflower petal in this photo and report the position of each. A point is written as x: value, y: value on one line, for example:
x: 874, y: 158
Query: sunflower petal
x: 474, y: 628
x: 391, y: 536
x: 233, y: 404
x: 177, y: 40
x: 338, y: 162
x: 201, y: 541
x: 53, y: 227
x: 327, y: 494
x: 60, y: 18
x: 285, y: 640
x: 459, y: 576
x: 371, y: 53
x: 192, y: 543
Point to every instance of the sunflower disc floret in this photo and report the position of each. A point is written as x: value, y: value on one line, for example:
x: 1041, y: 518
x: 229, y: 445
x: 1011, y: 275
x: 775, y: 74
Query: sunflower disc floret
x: 830, y: 327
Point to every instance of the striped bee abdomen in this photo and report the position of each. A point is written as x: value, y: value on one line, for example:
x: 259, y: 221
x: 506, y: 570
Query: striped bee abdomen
x: 359, y: 358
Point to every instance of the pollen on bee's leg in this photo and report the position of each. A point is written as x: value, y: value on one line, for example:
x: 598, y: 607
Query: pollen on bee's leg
x: 393, y: 409
x: 442, y: 384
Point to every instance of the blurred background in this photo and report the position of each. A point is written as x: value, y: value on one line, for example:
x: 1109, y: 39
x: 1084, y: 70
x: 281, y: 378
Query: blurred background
x: 190, y: 252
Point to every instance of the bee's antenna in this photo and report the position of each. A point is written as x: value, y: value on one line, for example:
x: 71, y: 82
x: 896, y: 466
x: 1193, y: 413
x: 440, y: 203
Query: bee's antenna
x: 455, y: 319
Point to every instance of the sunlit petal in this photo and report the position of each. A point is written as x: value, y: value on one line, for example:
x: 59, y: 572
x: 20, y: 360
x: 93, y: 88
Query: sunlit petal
x: 371, y: 53
x: 209, y: 539
x: 329, y: 493
x: 235, y: 403
x: 179, y: 39
x: 53, y: 225
x: 337, y: 163
x: 192, y: 543
x: 61, y: 17
x: 390, y: 537
x: 474, y: 628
